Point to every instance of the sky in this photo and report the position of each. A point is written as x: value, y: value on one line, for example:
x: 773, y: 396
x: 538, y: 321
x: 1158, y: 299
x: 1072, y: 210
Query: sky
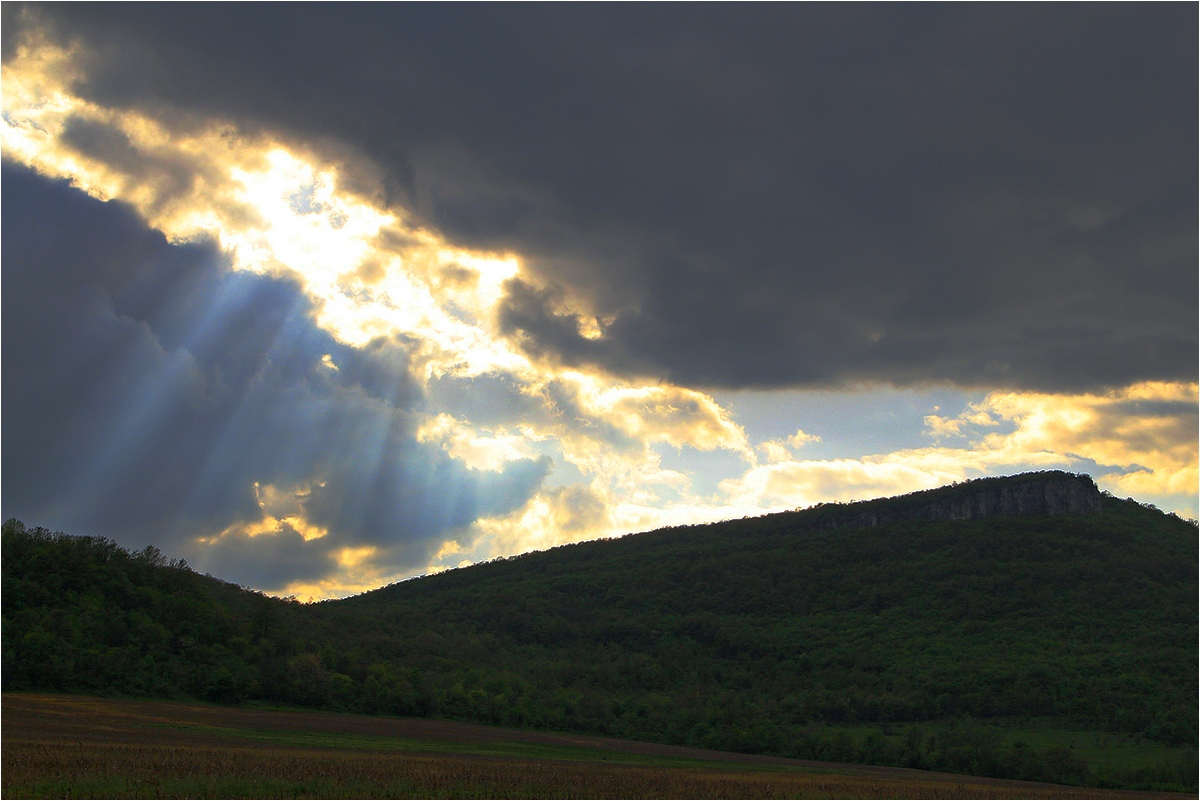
x: 321, y: 297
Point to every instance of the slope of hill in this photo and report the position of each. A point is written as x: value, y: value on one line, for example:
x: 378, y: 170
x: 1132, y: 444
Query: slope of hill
x: 746, y: 635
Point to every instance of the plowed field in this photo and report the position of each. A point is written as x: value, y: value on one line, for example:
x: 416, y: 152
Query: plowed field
x: 74, y: 746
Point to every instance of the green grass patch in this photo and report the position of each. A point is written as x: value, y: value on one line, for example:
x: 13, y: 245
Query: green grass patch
x: 366, y: 742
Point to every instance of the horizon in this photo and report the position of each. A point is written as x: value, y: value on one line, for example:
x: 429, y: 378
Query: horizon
x: 813, y: 507
x: 320, y: 298
x: 798, y: 510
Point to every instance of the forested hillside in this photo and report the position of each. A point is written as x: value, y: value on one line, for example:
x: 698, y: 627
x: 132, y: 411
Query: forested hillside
x: 745, y: 635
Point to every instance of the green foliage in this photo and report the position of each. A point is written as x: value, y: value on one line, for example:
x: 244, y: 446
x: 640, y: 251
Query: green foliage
x: 748, y: 635
x: 722, y: 627
x: 84, y: 615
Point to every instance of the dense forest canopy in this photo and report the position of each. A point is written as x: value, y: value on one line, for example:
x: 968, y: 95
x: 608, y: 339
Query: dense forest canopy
x: 744, y: 635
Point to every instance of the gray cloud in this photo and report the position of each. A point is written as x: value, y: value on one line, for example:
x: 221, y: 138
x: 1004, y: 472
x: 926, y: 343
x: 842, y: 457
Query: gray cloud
x: 270, y: 562
x: 148, y: 389
x: 527, y: 314
x: 783, y: 195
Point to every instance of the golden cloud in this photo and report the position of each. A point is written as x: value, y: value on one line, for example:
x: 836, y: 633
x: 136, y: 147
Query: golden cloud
x: 282, y: 513
x: 281, y: 207
x: 674, y: 415
x: 274, y: 207
x: 355, y: 574
x: 1142, y: 436
x: 1147, y: 432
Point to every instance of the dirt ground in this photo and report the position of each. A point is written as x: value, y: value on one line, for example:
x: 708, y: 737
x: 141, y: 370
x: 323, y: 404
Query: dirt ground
x: 49, y: 719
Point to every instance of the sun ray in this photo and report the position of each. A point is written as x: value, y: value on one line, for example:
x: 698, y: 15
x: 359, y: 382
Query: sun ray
x: 373, y: 281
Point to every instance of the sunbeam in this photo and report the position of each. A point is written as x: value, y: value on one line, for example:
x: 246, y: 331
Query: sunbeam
x: 320, y: 357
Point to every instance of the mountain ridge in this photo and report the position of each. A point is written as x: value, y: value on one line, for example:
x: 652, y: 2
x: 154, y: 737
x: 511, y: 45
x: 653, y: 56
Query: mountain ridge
x: 745, y: 635
x: 1051, y: 492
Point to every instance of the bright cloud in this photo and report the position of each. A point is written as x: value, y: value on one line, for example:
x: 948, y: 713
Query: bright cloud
x: 274, y: 207
x: 1143, y: 438
x: 674, y: 415
x: 278, y: 208
x: 479, y: 450
x: 781, y: 450
x: 281, y: 208
x: 1147, y: 432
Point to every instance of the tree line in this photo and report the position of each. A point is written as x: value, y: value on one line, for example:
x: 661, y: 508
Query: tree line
x: 747, y: 635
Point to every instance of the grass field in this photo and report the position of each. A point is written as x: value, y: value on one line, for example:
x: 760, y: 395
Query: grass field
x: 57, y: 746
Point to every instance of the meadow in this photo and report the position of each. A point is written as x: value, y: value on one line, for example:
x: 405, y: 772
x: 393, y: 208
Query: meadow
x: 63, y: 746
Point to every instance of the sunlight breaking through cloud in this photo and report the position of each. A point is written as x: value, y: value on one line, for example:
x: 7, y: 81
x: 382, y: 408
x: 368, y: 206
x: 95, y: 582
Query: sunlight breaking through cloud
x: 273, y: 208
x: 277, y: 209
x: 281, y: 208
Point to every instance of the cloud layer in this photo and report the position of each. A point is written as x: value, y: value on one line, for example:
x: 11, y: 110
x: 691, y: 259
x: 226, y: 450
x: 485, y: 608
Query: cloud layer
x: 324, y: 296
x: 772, y: 197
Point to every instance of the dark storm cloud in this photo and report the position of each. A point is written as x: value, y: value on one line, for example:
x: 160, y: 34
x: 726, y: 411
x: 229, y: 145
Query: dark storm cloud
x: 757, y: 196
x: 527, y: 315
x: 148, y: 388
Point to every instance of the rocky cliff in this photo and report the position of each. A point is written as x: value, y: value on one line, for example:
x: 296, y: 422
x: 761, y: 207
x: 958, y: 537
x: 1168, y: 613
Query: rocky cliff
x: 1048, y: 493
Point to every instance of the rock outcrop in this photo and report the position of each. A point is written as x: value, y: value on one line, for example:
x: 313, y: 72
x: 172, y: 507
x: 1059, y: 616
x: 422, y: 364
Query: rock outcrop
x: 1048, y: 493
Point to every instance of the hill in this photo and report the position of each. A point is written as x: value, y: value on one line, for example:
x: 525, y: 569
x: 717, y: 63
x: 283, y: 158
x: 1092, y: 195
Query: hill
x: 1029, y: 597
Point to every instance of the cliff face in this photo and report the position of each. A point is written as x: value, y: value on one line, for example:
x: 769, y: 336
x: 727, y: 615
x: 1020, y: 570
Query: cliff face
x: 1034, y: 494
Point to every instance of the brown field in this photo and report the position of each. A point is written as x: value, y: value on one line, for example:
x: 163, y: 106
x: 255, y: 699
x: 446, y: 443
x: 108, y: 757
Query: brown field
x: 73, y: 746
